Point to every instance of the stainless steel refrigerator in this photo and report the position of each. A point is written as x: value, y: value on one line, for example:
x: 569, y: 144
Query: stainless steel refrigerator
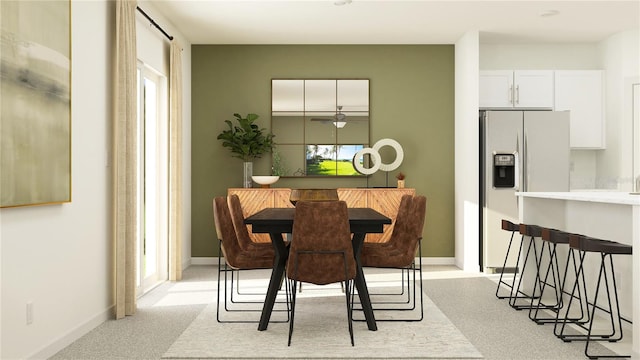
x: 519, y: 151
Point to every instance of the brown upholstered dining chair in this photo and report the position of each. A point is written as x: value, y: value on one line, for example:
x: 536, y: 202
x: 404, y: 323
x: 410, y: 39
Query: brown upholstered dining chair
x: 404, y: 208
x: 321, y: 251
x: 245, y: 241
x: 370, y: 248
x: 401, y: 220
x: 235, y: 257
x: 235, y: 208
x: 400, y: 253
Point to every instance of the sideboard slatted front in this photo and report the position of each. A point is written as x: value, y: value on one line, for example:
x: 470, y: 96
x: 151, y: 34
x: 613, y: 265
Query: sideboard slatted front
x: 384, y: 200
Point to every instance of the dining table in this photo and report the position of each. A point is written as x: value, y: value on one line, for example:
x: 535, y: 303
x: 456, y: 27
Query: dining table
x: 279, y: 221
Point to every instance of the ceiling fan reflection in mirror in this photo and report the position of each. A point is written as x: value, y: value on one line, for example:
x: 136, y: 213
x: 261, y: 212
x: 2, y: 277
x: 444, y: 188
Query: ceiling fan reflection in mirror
x: 339, y: 120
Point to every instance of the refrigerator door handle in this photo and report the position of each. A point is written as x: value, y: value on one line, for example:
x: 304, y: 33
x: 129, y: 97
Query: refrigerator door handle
x: 519, y: 168
x: 525, y: 183
x: 516, y: 176
x: 516, y: 180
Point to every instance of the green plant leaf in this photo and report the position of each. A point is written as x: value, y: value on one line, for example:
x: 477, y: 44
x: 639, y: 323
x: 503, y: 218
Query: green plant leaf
x: 246, y: 140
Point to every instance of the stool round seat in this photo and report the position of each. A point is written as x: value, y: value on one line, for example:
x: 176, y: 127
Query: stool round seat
x: 530, y: 230
x: 555, y: 236
x: 589, y: 244
x: 509, y: 226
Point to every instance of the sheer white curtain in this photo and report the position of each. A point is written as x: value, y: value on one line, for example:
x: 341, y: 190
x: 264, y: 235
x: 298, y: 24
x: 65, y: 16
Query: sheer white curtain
x: 125, y: 193
x: 175, y: 162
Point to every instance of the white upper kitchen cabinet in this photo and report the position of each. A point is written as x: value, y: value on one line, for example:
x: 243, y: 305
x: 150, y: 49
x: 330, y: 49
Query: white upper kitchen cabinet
x: 516, y: 89
x: 580, y: 92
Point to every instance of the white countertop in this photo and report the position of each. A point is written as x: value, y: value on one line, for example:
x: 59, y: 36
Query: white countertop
x: 611, y: 197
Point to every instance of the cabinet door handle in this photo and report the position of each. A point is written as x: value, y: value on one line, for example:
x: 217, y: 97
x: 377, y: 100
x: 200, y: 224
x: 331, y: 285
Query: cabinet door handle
x: 511, y: 94
x: 517, y: 94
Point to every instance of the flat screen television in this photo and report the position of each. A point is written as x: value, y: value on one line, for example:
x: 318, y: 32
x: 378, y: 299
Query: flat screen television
x: 331, y: 160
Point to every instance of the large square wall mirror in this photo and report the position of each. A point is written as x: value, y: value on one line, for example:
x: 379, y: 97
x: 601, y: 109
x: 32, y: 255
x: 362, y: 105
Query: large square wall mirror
x: 319, y: 125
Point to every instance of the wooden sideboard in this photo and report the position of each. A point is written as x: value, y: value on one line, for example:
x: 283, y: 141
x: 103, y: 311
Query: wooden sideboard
x: 254, y: 200
x: 383, y: 200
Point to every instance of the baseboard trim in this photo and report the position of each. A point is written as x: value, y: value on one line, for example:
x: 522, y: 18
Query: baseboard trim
x: 204, y: 260
x: 67, y: 339
x: 425, y: 260
x: 438, y: 261
x: 186, y: 262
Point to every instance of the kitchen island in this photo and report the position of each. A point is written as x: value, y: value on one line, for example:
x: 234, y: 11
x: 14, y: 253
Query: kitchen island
x: 601, y: 214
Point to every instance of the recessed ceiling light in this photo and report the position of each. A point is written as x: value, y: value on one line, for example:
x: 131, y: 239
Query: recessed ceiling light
x: 549, y: 13
x: 341, y: 2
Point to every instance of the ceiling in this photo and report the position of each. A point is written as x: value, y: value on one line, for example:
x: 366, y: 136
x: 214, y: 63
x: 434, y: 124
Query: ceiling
x: 396, y: 22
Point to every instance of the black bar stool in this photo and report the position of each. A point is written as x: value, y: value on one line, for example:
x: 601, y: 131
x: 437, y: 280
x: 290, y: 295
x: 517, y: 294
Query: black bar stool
x: 508, y: 226
x: 531, y: 231
x: 579, y: 285
x: 584, y: 244
x: 550, y: 240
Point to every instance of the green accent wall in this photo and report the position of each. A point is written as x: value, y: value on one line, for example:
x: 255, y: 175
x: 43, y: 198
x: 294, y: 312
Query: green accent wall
x: 411, y: 100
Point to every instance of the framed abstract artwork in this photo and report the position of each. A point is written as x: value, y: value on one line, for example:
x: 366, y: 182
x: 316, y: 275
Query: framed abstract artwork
x: 35, y: 103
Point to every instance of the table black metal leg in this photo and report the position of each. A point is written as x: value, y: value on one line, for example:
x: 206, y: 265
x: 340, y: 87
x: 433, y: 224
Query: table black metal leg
x: 361, y: 284
x: 277, y: 274
x: 363, y: 293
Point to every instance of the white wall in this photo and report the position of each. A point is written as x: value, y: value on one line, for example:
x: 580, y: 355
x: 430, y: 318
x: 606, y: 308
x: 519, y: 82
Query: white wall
x: 466, y: 152
x: 620, y: 57
x: 152, y: 46
x: 539, y: 57
x: 583, y: 170
x: 60, y: 256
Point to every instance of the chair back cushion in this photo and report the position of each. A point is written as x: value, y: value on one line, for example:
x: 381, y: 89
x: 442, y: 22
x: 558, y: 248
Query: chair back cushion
x: 407, y: 231
x: 401, y: 249
x: 418, y: 213
x: 402, y: 225
x: 233, y: 254
x: 224, y: 228
x: 242, y: 234
x: 321, y: 228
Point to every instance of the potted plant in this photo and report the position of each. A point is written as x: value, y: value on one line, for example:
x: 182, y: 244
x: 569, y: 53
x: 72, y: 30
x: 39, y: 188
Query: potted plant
x: 400, y: 178
x: 246, y: 141
x: 278, y: 168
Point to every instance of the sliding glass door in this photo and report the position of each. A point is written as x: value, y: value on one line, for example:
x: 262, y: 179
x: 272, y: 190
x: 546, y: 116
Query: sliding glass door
x: 152, y: 244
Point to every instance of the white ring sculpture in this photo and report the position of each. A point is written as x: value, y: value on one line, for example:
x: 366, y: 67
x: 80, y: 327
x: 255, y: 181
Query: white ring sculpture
x: 376, y: 159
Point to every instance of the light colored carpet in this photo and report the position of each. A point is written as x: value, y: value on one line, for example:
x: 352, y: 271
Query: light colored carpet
x: 500, y: 332
x: 497, y: 331
x: 321, y: 331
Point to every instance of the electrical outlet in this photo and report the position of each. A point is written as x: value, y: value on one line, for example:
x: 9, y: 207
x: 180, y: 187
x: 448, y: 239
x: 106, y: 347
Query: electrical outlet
x: 29, y: 313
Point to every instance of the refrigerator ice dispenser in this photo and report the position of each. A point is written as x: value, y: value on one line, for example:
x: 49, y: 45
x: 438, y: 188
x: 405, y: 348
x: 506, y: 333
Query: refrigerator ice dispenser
x: 504, y: 170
